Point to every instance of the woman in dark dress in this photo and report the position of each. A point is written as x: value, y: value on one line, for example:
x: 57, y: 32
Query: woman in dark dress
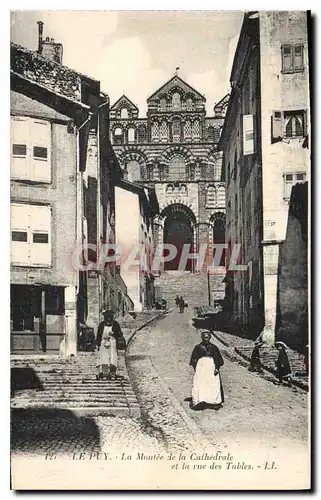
x: 282, y: 364
x: 206, y: 360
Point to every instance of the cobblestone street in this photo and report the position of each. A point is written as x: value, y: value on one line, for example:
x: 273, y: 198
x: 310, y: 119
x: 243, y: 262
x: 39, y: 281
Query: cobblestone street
x: 259, y: 423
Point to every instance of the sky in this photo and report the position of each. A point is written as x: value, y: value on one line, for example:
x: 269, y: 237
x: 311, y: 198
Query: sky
x: 136, y: 52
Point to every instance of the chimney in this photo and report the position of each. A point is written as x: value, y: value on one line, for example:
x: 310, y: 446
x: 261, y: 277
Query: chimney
x: 48, y: 48
x: 40, y: 32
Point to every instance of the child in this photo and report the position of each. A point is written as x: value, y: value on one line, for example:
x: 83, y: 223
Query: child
x: 255, y: 363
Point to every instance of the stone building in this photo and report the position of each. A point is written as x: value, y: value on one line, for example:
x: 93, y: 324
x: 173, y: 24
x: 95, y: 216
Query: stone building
x: 136, y: 208
x: 263, y: 138
x: 62, y: 198
x: 174, y: 149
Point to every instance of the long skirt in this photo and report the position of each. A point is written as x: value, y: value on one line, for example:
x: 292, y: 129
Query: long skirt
x: 206, y: 386
x: 107, y: 356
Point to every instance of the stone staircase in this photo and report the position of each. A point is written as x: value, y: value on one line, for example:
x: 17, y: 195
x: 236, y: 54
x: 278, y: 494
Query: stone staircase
x: 51, y: 382
x: 192, y: 287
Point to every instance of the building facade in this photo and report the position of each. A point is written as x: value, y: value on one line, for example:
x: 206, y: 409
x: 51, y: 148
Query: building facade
x: 174, y: 149
x: 265, y: 131
x: 63, y: 176
x: 136, y: 208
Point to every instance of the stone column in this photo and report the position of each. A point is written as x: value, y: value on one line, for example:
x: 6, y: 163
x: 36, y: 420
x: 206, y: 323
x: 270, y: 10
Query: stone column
x: 71, y: 321
x: 202, y: 230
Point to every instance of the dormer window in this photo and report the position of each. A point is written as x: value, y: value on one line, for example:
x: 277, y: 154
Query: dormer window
x: 176, y: 101
x: 162, y: 104
x: 124, y: 113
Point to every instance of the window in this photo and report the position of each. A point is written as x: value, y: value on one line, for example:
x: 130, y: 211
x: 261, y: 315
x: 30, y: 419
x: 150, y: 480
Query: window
x: 293, y: 122
x: 176, y: 101
x: 31, y: 149
x: 118, y: 135
x: 162, y: 104
x: 210, y: 134
x: 176, y: 130
x: 292, y: 58
x: 177, y: 169
x: 124, y: 113
x: 131, y: 134
x: 187, y: 131
x: 155, y: 131
x: 288, y: 124
x: 189, y: 104
x: 141, y: 132
x: 290, y: 179
x: 163, y: 131
x: 217, y: 133
x: 30, y: 235
x: 196, y: 131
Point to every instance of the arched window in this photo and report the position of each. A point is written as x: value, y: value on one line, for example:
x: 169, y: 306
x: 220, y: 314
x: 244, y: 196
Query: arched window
x: 133, y: 169
x: 162, y: 105
x: 124, y: 113
x: 169, y: 190
x: 118, y: 135
x: 176, y: 130
x: 196, y: 131
x: 187, y: 131
x: 163, y: 131
x: 220, y: 197
x: 189, y: 104
x: 176, y: 101
x: 155, y: 131
x: 210, y: 171
x: 183, y: 190
x: 210, y: 134
x: 141, y: 132
x: 150, y: 172
x: 131, y: 134
x: 210, y: 197
x: 177, y: 168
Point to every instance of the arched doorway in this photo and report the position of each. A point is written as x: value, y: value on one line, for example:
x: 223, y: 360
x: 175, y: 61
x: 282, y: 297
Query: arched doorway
x: 219, y: 233
x: 178, y: 231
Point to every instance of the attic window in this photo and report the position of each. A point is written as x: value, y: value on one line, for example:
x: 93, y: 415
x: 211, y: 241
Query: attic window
x: 124, y: 113
x: 176, y: 101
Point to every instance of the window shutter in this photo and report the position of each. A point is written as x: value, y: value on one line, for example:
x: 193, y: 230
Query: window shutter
x: 41, y: 151
x: 40, y: 225
x: 298, y: 57
x: 286, y: 57
x: 248, y: 135
x: 19, y: 222
x: 20, y: 148
x: 277, y: 128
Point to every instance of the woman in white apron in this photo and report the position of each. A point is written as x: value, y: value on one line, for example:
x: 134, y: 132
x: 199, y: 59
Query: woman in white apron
x: 108, y: 333
x: 207, y: 388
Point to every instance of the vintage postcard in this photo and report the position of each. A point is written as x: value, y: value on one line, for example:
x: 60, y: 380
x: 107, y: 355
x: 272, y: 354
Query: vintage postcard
x: 160, y: 180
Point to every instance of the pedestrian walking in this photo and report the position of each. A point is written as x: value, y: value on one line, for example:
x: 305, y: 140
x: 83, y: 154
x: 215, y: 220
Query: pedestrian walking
x: 283, y: 367
x: 109, y: 339
x: 207, y: 387
x: 177, y: 301
x: 181, y: 305
x: 255, y: 363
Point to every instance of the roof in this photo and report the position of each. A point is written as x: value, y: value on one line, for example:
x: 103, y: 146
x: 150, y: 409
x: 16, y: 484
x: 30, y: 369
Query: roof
x: 127, y: 100
x: 180, y: 82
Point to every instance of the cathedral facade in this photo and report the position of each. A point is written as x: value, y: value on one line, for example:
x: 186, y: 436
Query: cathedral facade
x: 174, y: 149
